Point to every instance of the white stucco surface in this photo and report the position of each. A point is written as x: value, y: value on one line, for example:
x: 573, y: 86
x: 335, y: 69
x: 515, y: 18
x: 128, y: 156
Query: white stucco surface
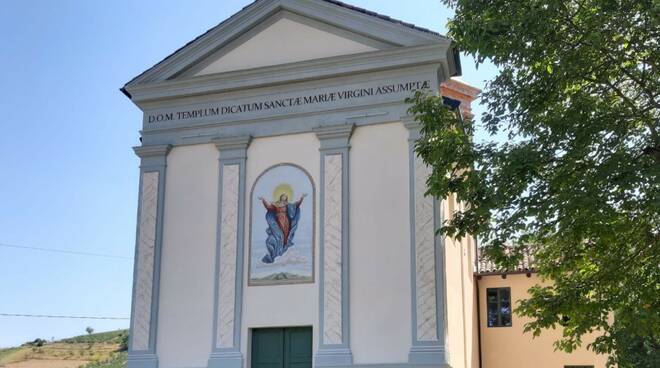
x: 280, y: 305
x: 285, y: 41
x: 187, y: 270
x: 380, y: 245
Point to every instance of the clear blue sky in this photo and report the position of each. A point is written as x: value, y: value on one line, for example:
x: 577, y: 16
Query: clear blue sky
x: 68, y: 176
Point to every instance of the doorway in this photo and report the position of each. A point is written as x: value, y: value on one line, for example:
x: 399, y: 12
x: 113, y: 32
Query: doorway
x: 282, y: 347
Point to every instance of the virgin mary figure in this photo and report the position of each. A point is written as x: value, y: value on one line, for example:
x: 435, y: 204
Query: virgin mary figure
x: 282, y: 218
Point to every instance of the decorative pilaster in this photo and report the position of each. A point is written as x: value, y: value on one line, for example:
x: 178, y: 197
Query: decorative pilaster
x: 146, y: 272
x: 334, y: 340
x: 427, y: 264
x: 229, y: 253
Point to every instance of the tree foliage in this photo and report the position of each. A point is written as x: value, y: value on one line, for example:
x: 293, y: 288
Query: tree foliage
x: 572, y: 165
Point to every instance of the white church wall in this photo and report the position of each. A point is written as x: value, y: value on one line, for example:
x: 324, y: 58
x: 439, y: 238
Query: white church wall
x: 280, y: 305
x: 289, y: 67
x: 454, y: 305
x: 186, y: 283
x: 462, y: 343
x: 455, y: 301
x: 379, y: 245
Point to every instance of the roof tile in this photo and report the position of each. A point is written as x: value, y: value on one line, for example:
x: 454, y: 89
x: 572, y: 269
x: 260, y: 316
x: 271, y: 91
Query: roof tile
x: 487, y: 266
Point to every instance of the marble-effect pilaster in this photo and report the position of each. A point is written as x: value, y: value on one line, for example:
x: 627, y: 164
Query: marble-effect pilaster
x: 334, y: 345
x: 427, y: 263
x: 228, y: 245
x: 425, y: 256
x: 332, y: 234
x: 145, y: 264
x: 146, y: 271
x: 225, y: 352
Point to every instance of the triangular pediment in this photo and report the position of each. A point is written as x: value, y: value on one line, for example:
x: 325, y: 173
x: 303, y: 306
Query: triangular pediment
x: 276, y: 32
x: 285, y: 38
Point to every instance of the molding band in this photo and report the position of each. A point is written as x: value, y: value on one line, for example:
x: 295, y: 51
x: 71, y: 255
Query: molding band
x: 228, y: 279
x: 334, y: 340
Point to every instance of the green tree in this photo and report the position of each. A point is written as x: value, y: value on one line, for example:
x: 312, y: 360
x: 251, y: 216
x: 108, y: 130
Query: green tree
x: 123, y: 341
x: 89, y: 331
x: 571, y: 165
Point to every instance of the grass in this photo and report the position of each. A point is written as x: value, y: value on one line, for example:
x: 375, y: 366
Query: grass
x: 5, y: 353
x: 100, y: 350
x: 116, y: 360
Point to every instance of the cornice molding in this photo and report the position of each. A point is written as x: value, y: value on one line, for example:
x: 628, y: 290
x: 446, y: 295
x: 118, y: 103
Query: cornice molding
x: 196, y: 68
x: 230, y: 29
x: 394, y: 58
x: 212, y: 39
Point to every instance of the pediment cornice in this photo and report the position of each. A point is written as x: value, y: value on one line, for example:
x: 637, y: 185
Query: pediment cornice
x: 173, y: 67
x: 396, y: 58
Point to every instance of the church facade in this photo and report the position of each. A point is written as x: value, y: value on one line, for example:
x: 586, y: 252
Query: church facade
x: 282, y: 217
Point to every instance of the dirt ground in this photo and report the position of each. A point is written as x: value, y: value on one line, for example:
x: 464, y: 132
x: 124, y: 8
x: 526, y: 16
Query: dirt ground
x: 39, y: 363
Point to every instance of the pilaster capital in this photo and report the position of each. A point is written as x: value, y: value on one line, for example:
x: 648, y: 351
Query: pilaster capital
x: 153, y: 157
x: 232, y: 143
x: 232, y: 147
x: 160, y: 150
x: 335, y: 136
x: 414, y: 127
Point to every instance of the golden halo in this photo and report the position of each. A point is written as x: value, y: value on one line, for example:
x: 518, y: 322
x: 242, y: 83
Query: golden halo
x: 283, y: 188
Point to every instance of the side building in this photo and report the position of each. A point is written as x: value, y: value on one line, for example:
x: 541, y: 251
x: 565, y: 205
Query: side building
x: 503, y: 341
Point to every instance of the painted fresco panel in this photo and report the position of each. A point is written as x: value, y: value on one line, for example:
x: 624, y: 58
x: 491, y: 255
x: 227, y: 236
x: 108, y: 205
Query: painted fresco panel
x: 282, y: 227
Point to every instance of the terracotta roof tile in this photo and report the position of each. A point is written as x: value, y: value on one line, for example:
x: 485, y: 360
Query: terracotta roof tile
x: 487, y: 266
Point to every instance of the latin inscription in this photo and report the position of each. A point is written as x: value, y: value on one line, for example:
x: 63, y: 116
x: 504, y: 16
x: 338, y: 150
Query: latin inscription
x: 327, y: 97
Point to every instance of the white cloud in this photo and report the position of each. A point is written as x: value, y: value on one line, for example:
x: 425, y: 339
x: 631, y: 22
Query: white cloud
x: 290, y: 258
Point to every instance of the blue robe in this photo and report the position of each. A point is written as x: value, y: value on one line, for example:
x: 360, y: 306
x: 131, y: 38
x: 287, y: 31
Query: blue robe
x: 275, y: 240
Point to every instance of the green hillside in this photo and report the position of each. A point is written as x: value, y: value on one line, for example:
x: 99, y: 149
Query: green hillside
x: 97, y: 350
x: 101, y: 337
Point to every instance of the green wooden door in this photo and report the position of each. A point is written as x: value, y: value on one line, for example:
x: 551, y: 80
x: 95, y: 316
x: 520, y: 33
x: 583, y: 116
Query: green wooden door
x: 282, y: 347
x: 298, y: 347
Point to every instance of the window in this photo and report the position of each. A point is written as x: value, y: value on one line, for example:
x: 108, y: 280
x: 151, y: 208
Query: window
x: 499, y: 307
